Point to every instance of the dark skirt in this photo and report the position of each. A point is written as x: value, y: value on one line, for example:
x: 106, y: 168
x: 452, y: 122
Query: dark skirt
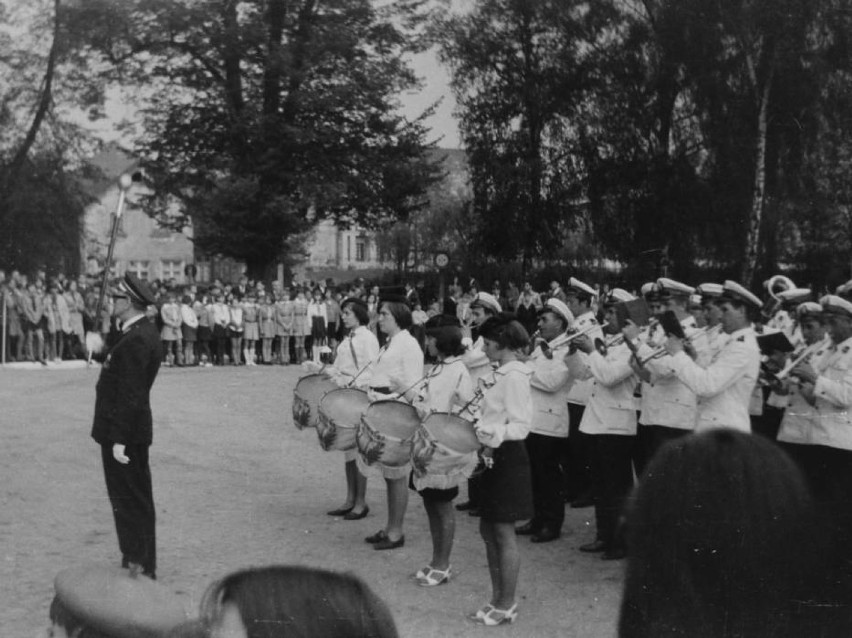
x: 318, y: 328
x: 506, y: 488
x: 204, y: 333
x: 188, y: 334
x: 433, y: 495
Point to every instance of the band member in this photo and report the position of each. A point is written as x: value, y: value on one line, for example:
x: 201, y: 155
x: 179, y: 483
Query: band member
x: 549, y: 383
x: 714, y: 337
x: 785, y: 319
x: 352, y: 367
x: 483, y: 306
x: 668, y: 406
x: 396, y: 370
x: 725, y: 386
x: 123, y: 425
x: 820, y: 419
x: 506, y: 417
x: 579, y: 298
x: 609, y: 421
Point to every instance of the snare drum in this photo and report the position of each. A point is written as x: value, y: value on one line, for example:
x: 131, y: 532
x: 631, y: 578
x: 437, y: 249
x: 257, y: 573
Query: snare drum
x: 445, y: 451
x: 385, y: 436
x: 339, y: 413
x: 306, y: 397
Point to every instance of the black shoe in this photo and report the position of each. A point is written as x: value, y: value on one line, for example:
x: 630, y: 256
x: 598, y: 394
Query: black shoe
x: 527, y: 529
x: 582, y: 501
x: 593, y: 547
x: 467, y: 505
x: 614, y: 554
x: 356, y: 516
x: 379, y: 536
x: 387, y: 543
x: 546, y: 535
x: 340, y: 511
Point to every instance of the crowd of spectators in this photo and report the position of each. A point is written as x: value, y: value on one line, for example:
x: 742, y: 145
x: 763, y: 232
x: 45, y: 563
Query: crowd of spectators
x: 242, y: 323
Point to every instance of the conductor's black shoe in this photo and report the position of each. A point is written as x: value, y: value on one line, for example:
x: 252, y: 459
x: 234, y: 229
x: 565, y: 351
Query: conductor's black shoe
x: 527, y: 529
x: 593, y: 547
x: 467, y: 505
x: 546, y: 535
x: 614, y: 554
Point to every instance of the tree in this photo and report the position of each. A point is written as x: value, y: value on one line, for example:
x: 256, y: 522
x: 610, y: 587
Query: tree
x: 265, y: 116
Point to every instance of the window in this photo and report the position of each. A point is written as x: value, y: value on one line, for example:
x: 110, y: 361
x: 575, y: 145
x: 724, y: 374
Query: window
x: 171, y: 269
x: 138, y: 268
x: 360, y: 249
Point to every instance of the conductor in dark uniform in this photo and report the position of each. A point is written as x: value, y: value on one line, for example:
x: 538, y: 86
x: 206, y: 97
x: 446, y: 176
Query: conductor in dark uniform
x: 123, y: 423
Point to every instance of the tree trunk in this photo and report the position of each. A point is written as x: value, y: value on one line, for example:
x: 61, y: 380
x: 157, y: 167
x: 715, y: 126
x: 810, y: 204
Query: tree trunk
x: 13, y: 172
x: 752, y: 245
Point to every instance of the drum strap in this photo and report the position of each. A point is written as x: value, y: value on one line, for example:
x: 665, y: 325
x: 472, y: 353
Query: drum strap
x: 352, y: 349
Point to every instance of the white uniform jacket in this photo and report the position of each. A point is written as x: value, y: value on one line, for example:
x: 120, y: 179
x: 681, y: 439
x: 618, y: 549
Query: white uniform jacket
x: 666, y: 400
x: 478, y: 364
x: 354, y: 354
x: 724, y: 388
x: 579, y: 391
x: 446, y: 388
x: 550, y: 384
x: 829, y: 421
x: 611, y: 408
x: 507, y: 407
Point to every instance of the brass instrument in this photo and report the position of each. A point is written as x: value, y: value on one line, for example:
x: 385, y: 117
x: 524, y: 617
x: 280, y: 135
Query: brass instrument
x: 803, y: 356
x: 774, y: 286
x: 661, y: 351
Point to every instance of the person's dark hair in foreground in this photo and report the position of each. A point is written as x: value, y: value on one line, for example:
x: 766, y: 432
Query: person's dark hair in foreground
x: 279, y: 601
x: 723, y: 541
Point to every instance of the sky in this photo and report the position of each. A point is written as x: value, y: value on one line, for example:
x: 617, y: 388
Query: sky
x: 436, y: 86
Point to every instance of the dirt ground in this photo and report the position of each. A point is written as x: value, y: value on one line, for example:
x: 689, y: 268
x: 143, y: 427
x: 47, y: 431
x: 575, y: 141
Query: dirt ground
x: 236, y: 484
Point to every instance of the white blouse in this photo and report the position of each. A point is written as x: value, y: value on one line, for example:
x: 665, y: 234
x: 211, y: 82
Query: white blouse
x: 399, y: 364
x: 447, y: 386
x: 354, y: 354
x: 507, y: 407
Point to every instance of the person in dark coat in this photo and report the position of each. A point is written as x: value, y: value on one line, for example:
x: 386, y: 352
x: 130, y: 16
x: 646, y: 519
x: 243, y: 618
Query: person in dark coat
x: 123, y: 424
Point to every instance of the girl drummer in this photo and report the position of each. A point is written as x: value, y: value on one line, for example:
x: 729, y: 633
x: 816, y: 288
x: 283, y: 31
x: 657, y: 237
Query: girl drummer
x: 397, y: 369
x: 447, y: 388
x: 352, y: 367
x: 506, y: 416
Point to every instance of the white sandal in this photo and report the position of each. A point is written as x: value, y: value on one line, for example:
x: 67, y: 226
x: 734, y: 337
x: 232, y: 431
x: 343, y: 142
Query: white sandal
x: 430, y: 577
x: 494, y: 617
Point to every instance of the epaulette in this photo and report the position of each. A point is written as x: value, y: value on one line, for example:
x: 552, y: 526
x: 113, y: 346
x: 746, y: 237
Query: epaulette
x: 741, y: 338
x: 845, y: 349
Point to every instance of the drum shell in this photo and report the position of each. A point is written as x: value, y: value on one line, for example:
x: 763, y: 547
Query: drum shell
x: 307, y: 394
x: 339, y: 415
x: 385, y: 436
x: 445, y: 452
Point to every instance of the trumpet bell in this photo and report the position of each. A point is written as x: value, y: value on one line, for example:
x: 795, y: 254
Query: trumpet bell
x: 778, y: 284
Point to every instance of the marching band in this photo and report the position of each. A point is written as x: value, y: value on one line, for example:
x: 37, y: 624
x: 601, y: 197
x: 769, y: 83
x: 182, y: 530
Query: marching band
x: 606, y: 394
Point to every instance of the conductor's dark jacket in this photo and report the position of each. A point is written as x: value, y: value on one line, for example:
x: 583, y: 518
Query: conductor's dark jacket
x: 122, y: 403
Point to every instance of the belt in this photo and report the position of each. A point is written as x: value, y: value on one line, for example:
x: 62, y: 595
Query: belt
x: 382, y: 390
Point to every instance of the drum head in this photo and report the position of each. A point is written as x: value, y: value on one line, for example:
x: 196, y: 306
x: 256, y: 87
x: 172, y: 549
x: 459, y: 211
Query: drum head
x: 344, y: 406
x: 392, y: 418
x: 453, y: 431
x: 312, y: 387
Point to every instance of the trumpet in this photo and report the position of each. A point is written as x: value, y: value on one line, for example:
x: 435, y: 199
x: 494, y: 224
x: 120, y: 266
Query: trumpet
x: 585, y: 331
x: 662, y: 352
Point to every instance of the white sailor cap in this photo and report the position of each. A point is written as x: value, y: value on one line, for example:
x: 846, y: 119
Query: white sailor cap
x: 835, y: 305
x: 577, y: 287
x: 733, y: 291
x: 695, y: 300
x: 844, y: 290
x: 709, y: 291
x: 618, y: 295
x: 671, y: 288
x: 650, y: 290
x: 115, y: 603
x: 486, y: 300
x: 808, y: 309
x: 794, y: 295
x: 559, y: 308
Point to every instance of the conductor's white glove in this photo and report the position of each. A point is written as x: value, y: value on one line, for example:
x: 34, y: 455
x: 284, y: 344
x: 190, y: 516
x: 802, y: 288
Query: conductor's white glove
x: 94, y: 342
x: 119, y: 455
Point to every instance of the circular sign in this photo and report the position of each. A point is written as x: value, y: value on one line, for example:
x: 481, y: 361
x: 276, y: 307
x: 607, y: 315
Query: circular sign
x: 442, y: 259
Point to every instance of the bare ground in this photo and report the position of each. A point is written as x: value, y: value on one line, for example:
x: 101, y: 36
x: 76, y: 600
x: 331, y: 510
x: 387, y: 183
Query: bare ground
x: 235, y: 485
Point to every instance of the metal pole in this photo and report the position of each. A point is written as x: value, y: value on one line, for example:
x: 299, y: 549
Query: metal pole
x: 3, y: 356
x: 124, y: 183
